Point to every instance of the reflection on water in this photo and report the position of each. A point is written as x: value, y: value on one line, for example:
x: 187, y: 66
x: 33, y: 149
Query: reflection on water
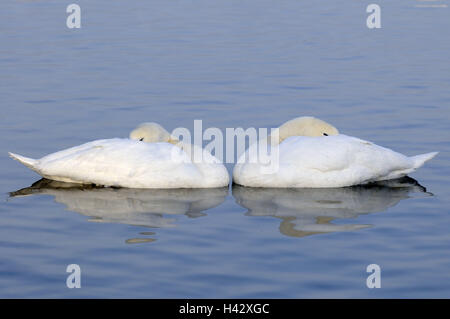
x: 310, y: 211
x: 303, y: 211
x: 138, y: 207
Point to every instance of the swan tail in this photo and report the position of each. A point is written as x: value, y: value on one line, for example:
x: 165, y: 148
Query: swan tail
x: 419, y: 160
x: 28, y: 162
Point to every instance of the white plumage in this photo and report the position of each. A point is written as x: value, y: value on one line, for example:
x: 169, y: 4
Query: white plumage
x: 131, y: 163
x: 312, y: 154
x: 331, y: 160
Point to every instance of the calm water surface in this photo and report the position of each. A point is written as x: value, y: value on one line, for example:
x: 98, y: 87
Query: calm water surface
x: 231, y: 64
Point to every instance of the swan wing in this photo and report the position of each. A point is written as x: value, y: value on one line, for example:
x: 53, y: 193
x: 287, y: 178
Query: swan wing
x: 331, y: 161
x: 342, y: 160
x: 120, y: 162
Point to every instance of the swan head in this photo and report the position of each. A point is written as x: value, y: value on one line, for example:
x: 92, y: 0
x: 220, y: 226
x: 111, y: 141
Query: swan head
x: 151, y: 133
x: 306, y: 126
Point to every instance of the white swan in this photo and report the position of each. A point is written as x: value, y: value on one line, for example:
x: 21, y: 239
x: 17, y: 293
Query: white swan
x: 150, y: 158
x: 312, y: 154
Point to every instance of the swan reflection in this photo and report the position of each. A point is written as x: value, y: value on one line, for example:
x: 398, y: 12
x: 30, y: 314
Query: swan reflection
x: 153, y: 208
x: 306, y: 212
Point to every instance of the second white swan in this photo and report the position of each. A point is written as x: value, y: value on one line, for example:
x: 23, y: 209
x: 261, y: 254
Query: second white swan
x: 312, y: 154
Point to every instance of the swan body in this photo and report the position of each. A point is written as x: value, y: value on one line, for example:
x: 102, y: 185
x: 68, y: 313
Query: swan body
x: 326, y: 159
x: 143, y: 161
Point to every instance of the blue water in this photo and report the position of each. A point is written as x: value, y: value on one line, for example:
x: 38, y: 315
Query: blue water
x: 230, y: 64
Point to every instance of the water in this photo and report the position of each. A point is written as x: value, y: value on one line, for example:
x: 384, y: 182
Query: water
x: 231, y: 64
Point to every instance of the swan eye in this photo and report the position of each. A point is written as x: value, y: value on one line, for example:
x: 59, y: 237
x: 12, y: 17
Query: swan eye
x: 325, y: 134
x: 141, y: 139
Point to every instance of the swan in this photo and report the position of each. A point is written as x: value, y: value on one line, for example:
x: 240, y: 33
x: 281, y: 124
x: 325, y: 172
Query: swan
x: 313, y: 154
x: 149, y: 158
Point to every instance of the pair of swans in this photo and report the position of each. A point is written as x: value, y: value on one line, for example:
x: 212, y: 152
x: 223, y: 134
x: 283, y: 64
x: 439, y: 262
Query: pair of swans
x: 312, y: 154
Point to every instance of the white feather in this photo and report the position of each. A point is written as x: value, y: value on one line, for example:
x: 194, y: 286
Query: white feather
x: 329, y: 161
x: 130, y: 163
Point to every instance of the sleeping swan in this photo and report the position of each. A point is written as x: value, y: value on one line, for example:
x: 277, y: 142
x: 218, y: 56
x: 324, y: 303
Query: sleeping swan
x: 312, y: 154
x: 150, y: 158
